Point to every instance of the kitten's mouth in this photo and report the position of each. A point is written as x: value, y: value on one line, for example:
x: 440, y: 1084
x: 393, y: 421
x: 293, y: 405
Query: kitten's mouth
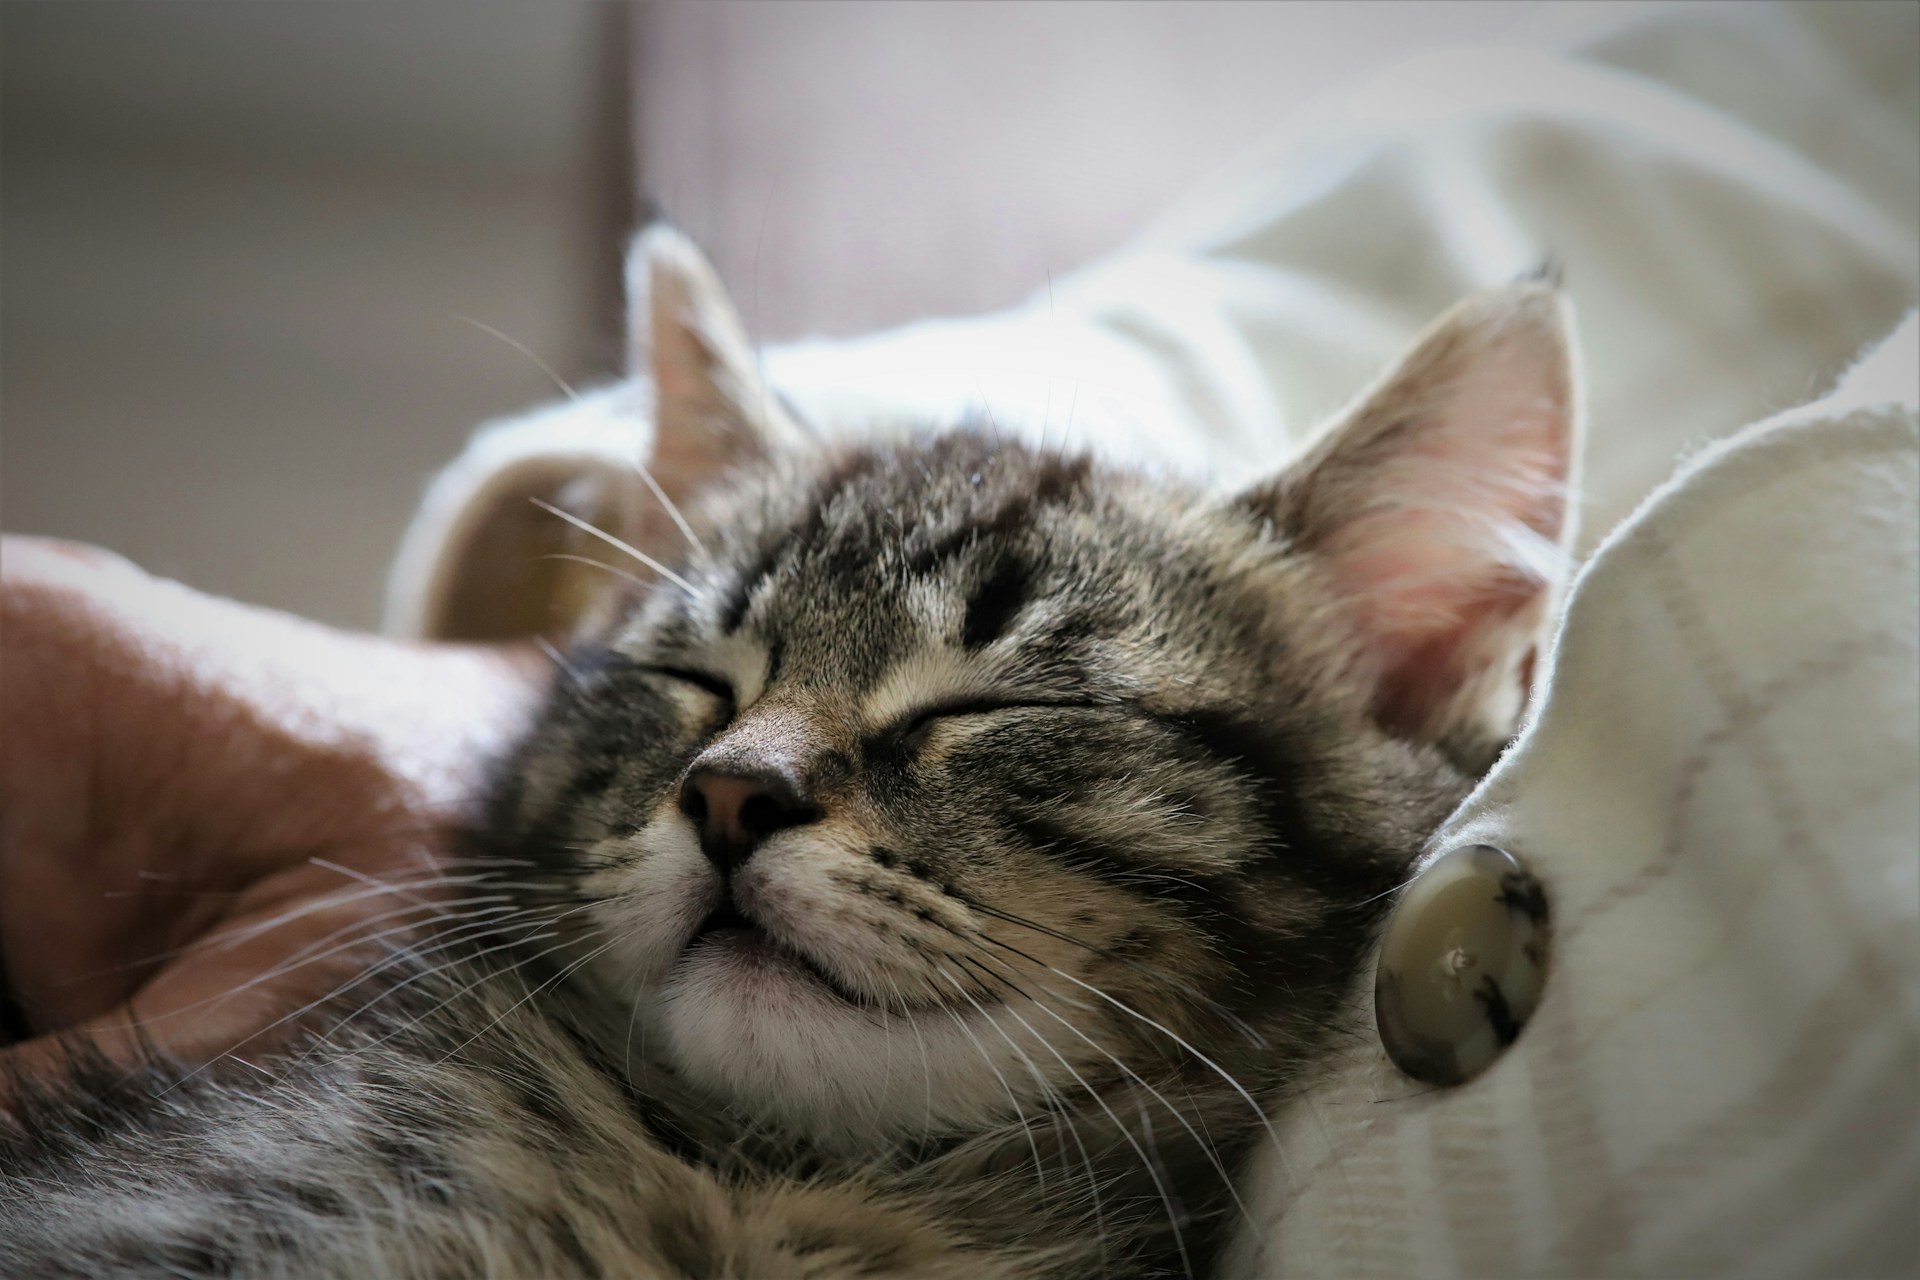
x: 727, y: 929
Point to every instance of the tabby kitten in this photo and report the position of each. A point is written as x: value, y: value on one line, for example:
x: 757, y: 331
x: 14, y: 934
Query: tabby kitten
x: 933, y: 868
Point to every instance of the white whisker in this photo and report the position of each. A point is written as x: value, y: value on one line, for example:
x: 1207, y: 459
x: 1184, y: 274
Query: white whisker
x: 1152, y: 1168
x: 565, y: 973
x: 1039, y: 1165
x: 1217, y: 1069
x: 667, y: 503
x: 589, y: 528
x: 1206, y: 1147
x: 559, y: 659
x: 613, y: 569
x: 566, y: 388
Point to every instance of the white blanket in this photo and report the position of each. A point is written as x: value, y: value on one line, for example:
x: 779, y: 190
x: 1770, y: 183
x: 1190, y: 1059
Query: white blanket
x: 1733, y: 191
x: 1721, y: 795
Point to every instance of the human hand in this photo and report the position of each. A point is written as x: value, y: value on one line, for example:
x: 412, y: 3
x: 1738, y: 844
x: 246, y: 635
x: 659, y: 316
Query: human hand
x: 214, y: 815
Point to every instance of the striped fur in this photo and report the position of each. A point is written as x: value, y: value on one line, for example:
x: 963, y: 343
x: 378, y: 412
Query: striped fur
x: 1106, y: 809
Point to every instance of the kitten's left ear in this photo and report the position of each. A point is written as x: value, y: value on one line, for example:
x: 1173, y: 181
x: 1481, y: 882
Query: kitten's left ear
x: 712, y: 406
x: 1437, y: 508
x: 490, y: 560
x: 713, y: 411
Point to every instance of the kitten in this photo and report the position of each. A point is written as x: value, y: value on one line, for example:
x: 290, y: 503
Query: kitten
x: 933, y: 870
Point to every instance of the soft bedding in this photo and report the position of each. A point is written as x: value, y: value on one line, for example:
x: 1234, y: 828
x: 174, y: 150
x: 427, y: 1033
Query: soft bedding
x: 1719, y: 788
x: 1720, y: 793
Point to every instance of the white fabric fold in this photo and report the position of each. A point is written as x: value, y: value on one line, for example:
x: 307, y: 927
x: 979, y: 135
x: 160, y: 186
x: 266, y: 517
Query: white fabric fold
x: 1720, y: 793
x: 1731, y: 191
x: 1721, y: 786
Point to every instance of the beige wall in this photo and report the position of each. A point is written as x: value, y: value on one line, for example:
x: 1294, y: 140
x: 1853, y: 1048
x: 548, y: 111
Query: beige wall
x: 855, y: 164
x: 234, y: 238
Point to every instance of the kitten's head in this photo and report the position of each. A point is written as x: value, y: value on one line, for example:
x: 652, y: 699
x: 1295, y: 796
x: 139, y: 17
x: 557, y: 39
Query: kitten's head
x: 943, y: 782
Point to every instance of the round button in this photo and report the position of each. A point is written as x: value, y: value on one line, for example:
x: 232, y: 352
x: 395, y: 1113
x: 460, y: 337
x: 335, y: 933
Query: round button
x: 1462, y: 962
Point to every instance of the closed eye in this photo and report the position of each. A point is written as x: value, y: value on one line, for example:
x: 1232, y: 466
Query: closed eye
x: 714, y: 685
x: 913, y: 729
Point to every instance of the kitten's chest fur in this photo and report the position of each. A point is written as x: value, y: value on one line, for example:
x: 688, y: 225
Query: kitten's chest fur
x: 452, y: 1127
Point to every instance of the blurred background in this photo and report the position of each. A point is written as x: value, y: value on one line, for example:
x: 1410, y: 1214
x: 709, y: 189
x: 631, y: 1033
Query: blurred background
x: 245, y: 247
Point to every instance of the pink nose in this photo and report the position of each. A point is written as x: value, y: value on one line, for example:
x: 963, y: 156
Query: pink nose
x: 736, y: 807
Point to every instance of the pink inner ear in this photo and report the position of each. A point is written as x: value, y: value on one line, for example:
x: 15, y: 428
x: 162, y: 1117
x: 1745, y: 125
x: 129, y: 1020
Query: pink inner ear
x: 1452, y: 550
x: 1424, y: 673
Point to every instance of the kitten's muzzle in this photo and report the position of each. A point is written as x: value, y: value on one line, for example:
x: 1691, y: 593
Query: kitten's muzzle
x: 737, y: 806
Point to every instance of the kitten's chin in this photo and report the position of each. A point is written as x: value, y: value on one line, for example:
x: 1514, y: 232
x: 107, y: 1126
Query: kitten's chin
x: 758, y: 1029
x: 751, y: 957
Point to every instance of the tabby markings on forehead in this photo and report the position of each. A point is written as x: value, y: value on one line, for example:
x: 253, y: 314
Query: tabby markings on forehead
x: 924, y: 678
x: 745, y: 661
x: 931, y: 603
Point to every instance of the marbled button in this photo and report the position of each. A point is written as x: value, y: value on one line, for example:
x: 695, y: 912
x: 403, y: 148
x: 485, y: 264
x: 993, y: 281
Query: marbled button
x: 1462, y: 963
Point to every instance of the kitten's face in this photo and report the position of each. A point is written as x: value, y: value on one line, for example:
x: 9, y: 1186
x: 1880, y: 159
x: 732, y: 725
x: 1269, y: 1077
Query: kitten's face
x: 945, y: 783
x: 961, y: 774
